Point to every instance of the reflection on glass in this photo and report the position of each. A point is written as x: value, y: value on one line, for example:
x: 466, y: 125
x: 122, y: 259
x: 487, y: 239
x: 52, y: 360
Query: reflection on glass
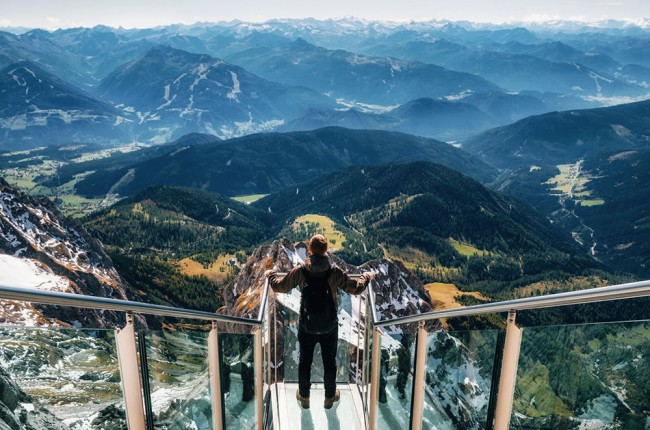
x: 367, y: 354
x: 238, y: 379
x: 459, y: 378
x: 593, y: 376
x: 73, y: 373
x: 179, y: 381
x: 396, y: 380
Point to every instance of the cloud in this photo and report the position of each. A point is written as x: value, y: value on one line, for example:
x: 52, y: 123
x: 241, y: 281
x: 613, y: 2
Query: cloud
x: 541, y: 17
x: 5, y: 22
x: 52, y: 20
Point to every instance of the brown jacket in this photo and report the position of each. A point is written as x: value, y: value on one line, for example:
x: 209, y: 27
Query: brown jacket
x: 317, y: 264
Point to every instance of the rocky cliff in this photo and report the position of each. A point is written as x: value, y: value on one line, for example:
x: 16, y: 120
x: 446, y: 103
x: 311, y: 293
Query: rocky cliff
x: 42, y: 249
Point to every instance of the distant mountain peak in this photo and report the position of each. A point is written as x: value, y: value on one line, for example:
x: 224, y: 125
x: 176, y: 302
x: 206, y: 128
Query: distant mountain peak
x: 302, y: 44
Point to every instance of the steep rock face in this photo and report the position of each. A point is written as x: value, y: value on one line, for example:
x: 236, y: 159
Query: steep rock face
x: 398, y: 293
x: 19, y: 411
x: 35, y: 232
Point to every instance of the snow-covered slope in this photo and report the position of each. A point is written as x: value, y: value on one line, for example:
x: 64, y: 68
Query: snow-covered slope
x: 37, y: 107
x: 172, y: 92
x: 44, y: 250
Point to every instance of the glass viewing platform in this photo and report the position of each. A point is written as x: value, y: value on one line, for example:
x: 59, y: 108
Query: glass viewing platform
x: 225, y: 372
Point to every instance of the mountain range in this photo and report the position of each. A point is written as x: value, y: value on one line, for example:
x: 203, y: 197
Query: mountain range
x: 540, y: 68
x: 564, y: 137
x: 174, y: 92
x: 263, y: 163
x: 423, y: 215
x: 450, y: 120
x: 154, y: 85
x: 585, y: 170
x: 40, y: 109
x: 347, y: 75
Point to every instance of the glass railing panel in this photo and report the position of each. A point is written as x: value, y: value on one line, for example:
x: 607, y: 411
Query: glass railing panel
x: 396, y: 379
x: 458, y: 381
x: 367, y: 354
x: 267, y: 371
x: 594, y: 376
x: 238, y: 380
x: 71, y: 377
x: 179, y: 380
x: 347, y: 336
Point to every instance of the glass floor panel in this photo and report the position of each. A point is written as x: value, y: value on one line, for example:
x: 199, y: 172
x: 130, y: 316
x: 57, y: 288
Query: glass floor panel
x: 343, y: 414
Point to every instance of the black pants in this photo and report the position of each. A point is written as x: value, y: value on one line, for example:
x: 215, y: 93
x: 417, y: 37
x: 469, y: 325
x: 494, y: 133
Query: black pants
x: 328, y: 343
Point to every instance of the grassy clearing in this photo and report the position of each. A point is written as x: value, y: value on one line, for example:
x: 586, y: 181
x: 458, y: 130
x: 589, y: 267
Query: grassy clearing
x: 21, y: 179
x: 593, y: 202
x: 218, y: 271
x: 562, y: 181
x: 466, y: 249
x: 444, y: 296
x: 249, y: 198
x: 76, y: 206
x: 312, y: 223
x: 571, y: 183
x: 25, y: 178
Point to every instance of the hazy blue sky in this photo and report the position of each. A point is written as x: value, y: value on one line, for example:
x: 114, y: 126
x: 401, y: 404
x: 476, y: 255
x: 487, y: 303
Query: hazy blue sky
x: 146, y: 13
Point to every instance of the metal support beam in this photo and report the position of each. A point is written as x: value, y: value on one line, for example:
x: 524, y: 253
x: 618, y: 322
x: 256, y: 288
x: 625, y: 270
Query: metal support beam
x: 419, y: 378
x: 357, y: 322
x: 259, y: 379
x: 131, y: 384
x: 375, y: 368
x: 508, y: 377
x: 214, y: 368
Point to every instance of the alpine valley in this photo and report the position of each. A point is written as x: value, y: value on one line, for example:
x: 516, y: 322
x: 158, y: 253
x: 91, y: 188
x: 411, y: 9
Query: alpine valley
x: 460, y: 163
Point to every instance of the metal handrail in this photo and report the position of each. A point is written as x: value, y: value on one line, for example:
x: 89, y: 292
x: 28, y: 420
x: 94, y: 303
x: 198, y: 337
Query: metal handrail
x: 614, y: 292
x: 263, y: 300
x: 602, y: 294
x: 92, y: 302
x: 373, y: 309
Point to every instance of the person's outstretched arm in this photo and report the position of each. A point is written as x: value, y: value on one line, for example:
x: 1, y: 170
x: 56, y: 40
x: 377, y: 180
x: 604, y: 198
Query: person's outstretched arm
x: 286, y: 284
x: 350, y: 285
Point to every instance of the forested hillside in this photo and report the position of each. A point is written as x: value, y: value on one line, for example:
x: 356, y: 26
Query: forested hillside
x: 269, y: 162
x: 179, y: 246
x: 448, y: 227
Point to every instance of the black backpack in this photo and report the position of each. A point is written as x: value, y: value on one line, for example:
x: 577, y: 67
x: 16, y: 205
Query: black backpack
x: 317, y: 306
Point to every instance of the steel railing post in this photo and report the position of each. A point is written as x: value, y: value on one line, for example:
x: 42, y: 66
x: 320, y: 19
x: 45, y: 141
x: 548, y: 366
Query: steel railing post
x: 259, y: 379
x: 214, y: 369
x: 496, y: 374
x: 508, y: 378
x: 375, y: 368
x: 358, y: 325
x: 419, y: 378
x: 127, y: 353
